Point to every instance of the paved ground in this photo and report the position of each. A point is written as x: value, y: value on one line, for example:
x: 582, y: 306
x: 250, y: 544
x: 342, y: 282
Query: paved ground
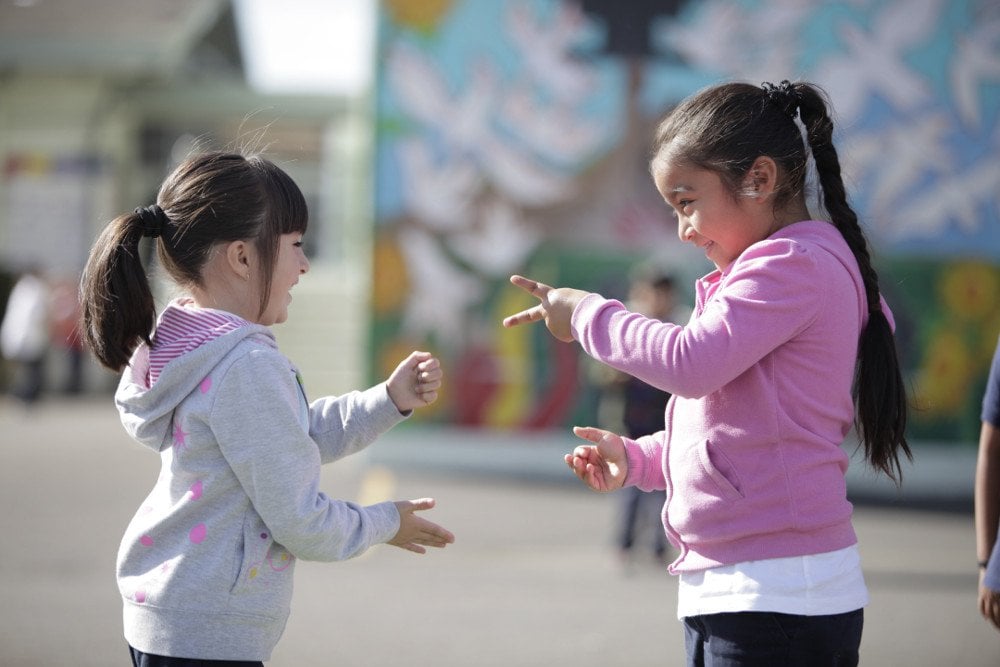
x: 530, y: 581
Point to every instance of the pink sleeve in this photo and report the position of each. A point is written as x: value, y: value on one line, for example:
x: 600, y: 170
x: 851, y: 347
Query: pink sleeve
x: 644, y: 468
x: 772, y: 293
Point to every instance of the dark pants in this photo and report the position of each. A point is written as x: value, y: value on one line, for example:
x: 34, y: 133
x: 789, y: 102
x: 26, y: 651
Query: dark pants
x: 764, y: 639
x: 641, y: 509
x: 140, y: 659
x: 29, y: 381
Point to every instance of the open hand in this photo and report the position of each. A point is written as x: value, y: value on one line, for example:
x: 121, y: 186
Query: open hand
x: 415, y: 382
x: 989, y: 602
x: 414, y: 532
x: 556, y: 307
x: 602, y: 466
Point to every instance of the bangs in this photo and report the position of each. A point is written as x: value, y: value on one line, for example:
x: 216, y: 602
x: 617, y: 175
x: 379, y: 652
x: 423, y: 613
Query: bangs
x: 287, y: 210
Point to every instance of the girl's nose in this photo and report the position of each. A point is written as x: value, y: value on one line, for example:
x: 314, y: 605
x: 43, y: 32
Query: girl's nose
x: 304, y: 266
x: 684, y: 231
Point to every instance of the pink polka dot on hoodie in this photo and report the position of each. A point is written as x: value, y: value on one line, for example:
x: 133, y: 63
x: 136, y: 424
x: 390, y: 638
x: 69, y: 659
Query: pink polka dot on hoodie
x: 205, y: 385
x: 140, y: 596
x: 196, y: 490
x: 146, y: 541
x: 197, y: 534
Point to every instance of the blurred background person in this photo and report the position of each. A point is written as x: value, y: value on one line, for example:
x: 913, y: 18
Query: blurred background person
x: 637, y: 409
x: 24, y: 334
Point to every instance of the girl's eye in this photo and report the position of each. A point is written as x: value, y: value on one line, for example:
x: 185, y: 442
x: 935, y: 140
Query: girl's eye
x: 298, y: 244
x: 684, y: 203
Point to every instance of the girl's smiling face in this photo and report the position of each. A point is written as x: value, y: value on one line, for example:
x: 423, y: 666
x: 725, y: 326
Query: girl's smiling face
x: 291, y: 263
x: 707, y: 213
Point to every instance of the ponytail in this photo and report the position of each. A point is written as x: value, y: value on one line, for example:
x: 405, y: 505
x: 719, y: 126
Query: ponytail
x: 118, y: 309
x: 879, y: 392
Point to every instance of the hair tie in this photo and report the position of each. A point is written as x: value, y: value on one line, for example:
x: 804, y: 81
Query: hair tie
x: 153, y: 220
x: 785, y: 96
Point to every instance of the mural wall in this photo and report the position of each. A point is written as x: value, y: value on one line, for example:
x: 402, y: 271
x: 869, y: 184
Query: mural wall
x: 512, y: 138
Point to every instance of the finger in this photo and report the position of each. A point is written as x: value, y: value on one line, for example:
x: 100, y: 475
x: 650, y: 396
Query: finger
x: 595, y: 477
x: 594, y: 435
x: 433, y: 535
x: 428, y: 397
x: 430, y: 377
x: 436, y: 540
x: 533, y: 287
x: 430, y: 367
x: 525, y: 316
x: 420, y: 504
x: 410, y: 546
x: 427, y: 386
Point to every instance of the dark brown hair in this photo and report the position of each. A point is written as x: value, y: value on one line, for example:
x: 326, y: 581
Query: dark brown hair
x: 209, y: 199
x: 724, y: 129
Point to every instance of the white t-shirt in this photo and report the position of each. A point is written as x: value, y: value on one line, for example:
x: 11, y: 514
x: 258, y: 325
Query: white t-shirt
x: 815, y: 585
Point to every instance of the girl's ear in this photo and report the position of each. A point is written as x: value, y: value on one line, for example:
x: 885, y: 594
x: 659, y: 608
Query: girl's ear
x: 762, y: 179
x: 238, y: 258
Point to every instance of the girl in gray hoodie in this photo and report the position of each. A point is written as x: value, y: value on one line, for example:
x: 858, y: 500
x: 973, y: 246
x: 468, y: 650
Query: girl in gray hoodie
x: 205, y: 566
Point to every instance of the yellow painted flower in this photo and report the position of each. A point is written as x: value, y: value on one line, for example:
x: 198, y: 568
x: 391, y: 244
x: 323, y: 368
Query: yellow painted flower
x: 970, y: 290
x: 942, y: 384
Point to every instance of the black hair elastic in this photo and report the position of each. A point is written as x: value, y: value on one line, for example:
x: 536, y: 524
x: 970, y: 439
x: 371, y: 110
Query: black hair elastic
x: 153, y: 219
x: 784, y: 96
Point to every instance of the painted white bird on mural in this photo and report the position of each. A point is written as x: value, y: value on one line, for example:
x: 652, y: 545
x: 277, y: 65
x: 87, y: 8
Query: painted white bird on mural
x: 439, y: 193
x: 895, y: 159
x: 872, y: 61
x: 460, y: 119
x: 752, y: 44
x: 500, y: 242
x: 957, y: 200
x: 464, y: 123
x: 440, y: 291
x: 546, y: 49
x: 558, y: 132
x: 976, y: 62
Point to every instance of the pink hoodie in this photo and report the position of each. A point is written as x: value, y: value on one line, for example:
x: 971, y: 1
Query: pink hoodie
x: 750, y: 456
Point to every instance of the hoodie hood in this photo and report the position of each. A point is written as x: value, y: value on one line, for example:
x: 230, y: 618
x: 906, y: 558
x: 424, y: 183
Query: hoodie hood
x: 825, y: 235
x: 189, y: 342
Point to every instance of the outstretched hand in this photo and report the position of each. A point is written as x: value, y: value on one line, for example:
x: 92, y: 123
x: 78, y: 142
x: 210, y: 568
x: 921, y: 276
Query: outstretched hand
x: 414, y: 532
x: 602, y: 466
x: 415, y: 382
x: 556, y: 307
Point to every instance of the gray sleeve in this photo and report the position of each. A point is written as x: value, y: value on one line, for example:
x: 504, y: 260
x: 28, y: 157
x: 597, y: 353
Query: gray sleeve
x: 255, y: 421
x: 344, y: 425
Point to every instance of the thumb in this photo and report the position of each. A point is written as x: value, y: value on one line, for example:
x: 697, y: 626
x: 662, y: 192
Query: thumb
x: 417, y: 505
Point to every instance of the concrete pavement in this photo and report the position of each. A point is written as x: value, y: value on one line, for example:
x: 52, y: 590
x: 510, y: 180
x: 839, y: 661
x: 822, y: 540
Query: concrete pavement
x: 531, y: 580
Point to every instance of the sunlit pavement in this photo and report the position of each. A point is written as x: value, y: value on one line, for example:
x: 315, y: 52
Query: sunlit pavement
x: 532, y: 579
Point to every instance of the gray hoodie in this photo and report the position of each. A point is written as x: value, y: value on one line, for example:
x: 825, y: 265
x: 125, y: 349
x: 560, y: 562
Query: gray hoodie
x: 205, y: 566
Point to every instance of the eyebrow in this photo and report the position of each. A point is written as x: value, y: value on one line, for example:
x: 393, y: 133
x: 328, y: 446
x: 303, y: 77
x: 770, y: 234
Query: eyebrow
x: 679, y: 190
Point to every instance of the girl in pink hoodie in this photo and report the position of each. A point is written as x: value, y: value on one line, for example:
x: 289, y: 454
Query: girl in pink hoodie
x: 789, y: 346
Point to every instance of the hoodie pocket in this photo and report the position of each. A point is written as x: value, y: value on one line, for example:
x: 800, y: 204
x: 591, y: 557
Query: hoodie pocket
x: 720, y: 470
x: 256, y: 541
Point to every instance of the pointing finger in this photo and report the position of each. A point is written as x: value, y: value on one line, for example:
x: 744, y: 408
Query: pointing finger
x: 590, y: 433
x: 528, y: 285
